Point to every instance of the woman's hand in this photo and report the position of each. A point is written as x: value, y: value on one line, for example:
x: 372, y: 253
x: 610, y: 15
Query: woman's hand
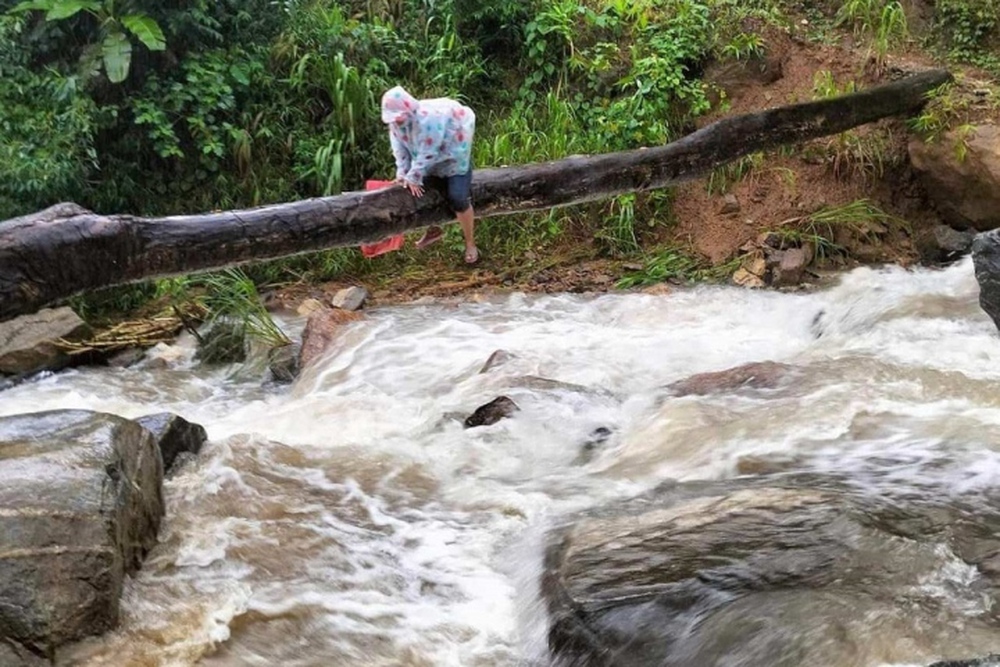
x: 416, y: 190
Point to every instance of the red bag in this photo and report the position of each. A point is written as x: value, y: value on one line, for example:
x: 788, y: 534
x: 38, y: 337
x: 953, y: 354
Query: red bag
x: 390, y: 244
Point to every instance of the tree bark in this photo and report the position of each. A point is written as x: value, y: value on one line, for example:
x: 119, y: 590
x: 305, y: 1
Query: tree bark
x: 65, y: 249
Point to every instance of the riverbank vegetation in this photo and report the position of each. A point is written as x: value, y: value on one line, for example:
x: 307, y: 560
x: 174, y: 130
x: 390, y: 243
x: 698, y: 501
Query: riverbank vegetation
x: 167, y: 107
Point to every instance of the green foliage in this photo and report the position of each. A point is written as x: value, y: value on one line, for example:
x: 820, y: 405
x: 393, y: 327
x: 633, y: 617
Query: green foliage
x: 825, y: 86
x: 862, y: 153
x: 951, y: 106
x: 111, y: 43
x: 106, y: 304
x: 859, y: 220
x: 722, y: 178
x: 672, y: 263
x: 231, y: 295
x: 884, y: 21
x: 47, y: 131
x: 968, y: 29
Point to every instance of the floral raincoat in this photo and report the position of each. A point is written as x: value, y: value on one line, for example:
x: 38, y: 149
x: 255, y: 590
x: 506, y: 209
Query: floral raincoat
x: 428, y: 137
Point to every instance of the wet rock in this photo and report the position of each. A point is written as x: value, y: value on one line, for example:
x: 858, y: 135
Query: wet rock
x: 752, y: 573
x: 730, y: 204
x: 988, y: 661
x: 223, y: 342
x: 349, y: 298
x: 321, y: 330
x: 497, y: 359
x: 547, y: 384
x: 28, y: 342
x: 966, y: 192
x: 952, y: 243
x: 13, y: 654
x: 788, y: 266
x: 283, y: 362
x: 81, y: 501
x: 986, y: 259
x: 127, y: 357
x: 174, y: 435
x: 492, y: 412
x: 755, y: 375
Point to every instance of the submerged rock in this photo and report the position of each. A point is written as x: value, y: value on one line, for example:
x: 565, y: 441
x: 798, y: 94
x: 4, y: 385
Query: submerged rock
x: 499, y: 408
x: 783, y: 572
x: 283, y: 362
x: 988, y: 661
x: 174, y: 436
x: 755, y: 375
x: 321, y: 330
x: 595, y: 440
x: 224, y: 342
x: 496, y: 360
x: 28, y: 342
x: 80, y: 505
x: 986, y: 259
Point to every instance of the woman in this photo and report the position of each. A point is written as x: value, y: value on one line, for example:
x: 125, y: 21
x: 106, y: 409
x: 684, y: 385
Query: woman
x: 434, y: 138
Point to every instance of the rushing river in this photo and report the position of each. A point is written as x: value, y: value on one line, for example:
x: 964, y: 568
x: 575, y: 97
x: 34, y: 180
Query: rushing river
x: 349, y: 520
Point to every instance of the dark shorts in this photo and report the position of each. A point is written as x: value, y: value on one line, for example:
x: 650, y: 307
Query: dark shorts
x: 458, y: 190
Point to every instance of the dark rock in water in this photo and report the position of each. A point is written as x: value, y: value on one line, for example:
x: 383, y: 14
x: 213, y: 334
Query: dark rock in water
x: 497, y: 359
x: 492, y: 412
x: 597, y: 437
x: 755, y: 375
x: 952, y: 242
x: 80, y: 505
x: 817, y: 326
x: 224, y: 342
x: 174, y: 435
x: 283, y: 362
x: 13, y: 654
x: 11, y: 381
x: 986, y: 259
x: 783, y: 571
x: 127, y: 357
x: 28, y: 343
x: 988, y: 661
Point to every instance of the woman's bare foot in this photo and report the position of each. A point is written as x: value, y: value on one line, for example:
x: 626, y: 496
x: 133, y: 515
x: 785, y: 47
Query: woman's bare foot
x: 471, y: 255
x: 430, y: 237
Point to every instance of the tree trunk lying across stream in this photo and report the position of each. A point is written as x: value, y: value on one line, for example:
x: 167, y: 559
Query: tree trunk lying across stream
x: 65, y: 249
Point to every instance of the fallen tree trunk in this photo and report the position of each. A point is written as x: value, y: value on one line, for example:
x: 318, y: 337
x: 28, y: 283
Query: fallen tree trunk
x: 65, y: 249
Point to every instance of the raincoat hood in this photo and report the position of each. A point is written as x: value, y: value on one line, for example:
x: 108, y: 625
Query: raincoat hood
x: 397, y: 104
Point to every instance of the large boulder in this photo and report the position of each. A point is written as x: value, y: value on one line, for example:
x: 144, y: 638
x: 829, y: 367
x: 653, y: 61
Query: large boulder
x: 174, y: 436
x: 780, y: 572
x: 28, y: 343
x: 963, y: 185
x: 986, y: 260
x: 80, y: 505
